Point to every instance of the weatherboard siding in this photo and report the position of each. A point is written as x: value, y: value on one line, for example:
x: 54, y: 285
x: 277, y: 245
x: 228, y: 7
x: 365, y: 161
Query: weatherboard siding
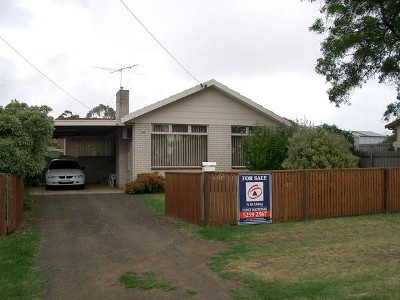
x: 207, y: 107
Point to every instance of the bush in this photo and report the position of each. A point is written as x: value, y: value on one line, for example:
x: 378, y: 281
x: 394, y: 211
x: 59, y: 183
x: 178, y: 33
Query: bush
x: 318, y: 148
x: 266, y: 148
x: 146, y: 183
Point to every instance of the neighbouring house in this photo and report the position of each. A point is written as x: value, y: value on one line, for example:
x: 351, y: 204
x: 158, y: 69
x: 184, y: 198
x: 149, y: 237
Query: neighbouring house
x: 395, y: 126
x: 369, y: 141
x: 204, y: 123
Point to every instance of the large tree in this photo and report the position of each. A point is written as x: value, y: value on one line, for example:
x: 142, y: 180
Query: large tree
x: 67, y: 114
x: 101, y: 111
x: 361, y: 40
x: 25, y: 133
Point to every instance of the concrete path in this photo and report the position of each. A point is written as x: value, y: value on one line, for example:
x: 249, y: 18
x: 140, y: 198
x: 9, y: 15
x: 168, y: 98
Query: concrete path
x: 90, y: 240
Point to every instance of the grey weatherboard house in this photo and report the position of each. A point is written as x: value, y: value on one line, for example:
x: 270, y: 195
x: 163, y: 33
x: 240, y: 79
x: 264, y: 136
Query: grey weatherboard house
x: 204, y: 123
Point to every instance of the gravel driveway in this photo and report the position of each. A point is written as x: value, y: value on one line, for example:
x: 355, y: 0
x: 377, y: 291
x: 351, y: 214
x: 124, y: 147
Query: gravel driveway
x: 88, y: 241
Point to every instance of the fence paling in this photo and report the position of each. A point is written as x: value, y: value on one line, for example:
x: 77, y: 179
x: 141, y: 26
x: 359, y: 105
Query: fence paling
x: 11, y: 202
x: 3, y: 228
x: 296, y: 195
x: 183, y: 197
x: 220, y: 199
x: 393, y: 190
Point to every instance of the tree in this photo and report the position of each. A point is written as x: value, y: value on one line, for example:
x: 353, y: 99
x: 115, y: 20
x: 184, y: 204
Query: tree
x: 25, y: 133
x: 68, y: 115
x: 389, y: 140
x: 362, y: 40
x: 266, y: 148
x: 101, y: 111
x: 318, y: 148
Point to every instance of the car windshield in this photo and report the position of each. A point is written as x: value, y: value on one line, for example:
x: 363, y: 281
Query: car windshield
x: 64, y: 164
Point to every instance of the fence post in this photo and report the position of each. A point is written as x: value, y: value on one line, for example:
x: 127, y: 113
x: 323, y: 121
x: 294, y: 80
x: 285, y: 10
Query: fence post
x: 385, y: 190
x: 207, y: 167
x: 305, y: 195
x: 202, y: 191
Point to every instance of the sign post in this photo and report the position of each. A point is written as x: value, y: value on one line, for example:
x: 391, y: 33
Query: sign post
x: 254, y: 198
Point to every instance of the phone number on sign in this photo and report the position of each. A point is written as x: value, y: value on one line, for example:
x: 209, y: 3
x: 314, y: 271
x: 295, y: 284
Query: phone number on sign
x: 254, y: 214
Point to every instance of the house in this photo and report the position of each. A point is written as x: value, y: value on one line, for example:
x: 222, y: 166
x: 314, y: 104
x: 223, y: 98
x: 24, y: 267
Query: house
x: 395, y: 126
x: 368, y: 140
x: 204, y: 123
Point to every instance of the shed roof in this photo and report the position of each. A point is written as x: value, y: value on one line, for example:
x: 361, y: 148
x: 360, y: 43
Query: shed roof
x: 367, y: 134
x: 211, y: 83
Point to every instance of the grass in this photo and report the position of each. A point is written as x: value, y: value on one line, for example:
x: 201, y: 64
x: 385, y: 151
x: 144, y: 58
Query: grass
x: 189, y: 293
x: 341, y: 258
x: 155, y: 202
x: 19, y: 276
x: 145, y: 281
x: 338, y: 258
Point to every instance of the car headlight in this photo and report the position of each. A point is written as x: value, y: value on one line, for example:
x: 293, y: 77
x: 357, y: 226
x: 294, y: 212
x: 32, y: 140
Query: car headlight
x: 78, y: 176
x: 51, y: 176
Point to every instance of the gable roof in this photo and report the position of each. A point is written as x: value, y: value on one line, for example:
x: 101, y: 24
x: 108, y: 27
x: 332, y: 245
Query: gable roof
x: 393, y: 124
x: 211, y: 83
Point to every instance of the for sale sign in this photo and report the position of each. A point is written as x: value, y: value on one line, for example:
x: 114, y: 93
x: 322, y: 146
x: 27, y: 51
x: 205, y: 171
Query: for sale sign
x: 254, y: 198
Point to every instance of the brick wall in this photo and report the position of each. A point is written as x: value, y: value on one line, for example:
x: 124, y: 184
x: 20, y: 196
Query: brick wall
x: 123, y: 170
x: 122, y: 104
x: 220, y: 146
x: 141, y: 148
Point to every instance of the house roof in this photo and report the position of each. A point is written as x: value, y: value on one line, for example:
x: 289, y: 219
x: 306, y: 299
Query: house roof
x: 367, y: 134
x: 211, y: 83
x: 393, y: 124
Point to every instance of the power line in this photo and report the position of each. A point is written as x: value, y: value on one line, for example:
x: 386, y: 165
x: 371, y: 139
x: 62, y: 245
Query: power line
x: 158, y: 42
x: 44, y: 75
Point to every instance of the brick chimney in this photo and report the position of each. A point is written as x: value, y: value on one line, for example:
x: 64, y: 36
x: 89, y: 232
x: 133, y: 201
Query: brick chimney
x: 122, y: 104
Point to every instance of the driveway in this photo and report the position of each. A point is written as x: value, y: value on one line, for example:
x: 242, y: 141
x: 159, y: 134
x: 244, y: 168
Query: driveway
x: 90, y: 240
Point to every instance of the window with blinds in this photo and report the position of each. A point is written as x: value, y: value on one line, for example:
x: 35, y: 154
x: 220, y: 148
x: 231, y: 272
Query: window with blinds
x: 238, y: 133
x: 174, y: 146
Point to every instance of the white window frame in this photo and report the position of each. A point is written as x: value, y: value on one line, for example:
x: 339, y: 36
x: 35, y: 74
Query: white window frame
x: 247, y: 131
x: 168, y: 130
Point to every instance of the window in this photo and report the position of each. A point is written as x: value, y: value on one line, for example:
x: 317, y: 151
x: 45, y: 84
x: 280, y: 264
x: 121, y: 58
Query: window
x: 177, y: 145
x: 238, y: 134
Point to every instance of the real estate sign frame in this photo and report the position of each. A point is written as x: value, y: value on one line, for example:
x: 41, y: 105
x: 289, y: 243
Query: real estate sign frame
x: 254, y: 198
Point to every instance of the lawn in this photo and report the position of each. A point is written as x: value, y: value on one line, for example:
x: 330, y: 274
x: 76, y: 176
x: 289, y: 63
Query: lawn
x: 19, y: 276
x: 339, y: 258
x: 153, y: 201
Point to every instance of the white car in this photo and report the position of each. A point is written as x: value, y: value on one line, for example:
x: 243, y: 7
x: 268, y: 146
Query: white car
x: 65, y: 173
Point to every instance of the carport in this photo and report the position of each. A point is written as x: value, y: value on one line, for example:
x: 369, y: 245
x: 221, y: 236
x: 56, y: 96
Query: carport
x: 93, y: 143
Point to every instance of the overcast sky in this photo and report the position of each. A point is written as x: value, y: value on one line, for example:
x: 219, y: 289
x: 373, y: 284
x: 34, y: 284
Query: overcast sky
x: 261, y: 49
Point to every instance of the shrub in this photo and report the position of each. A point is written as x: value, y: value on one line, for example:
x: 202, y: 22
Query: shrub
x: 146, y: 183
x: 318, y: 148
x: 266, y: 148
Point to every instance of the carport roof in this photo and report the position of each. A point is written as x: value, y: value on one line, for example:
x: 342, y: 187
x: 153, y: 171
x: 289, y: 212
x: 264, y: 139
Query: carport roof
x: 84, y: 127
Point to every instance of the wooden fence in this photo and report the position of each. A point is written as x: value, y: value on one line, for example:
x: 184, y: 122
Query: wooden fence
x: 11, y: 202
x: 379, y: 159
x: 211, y: 198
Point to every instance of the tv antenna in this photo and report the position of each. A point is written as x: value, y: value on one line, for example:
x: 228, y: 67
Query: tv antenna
x: 120, y: 70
